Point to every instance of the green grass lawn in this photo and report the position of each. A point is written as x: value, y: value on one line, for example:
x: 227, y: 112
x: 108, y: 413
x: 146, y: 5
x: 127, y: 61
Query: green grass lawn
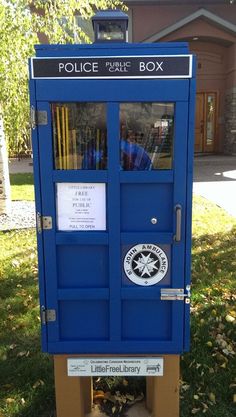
x: 26, y: 378
x: 208, y: 372
x: 22, y: 186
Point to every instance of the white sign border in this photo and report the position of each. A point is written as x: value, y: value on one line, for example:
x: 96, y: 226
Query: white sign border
x: 99, y: 366
x: 189, y: 75
x: 60, y: 195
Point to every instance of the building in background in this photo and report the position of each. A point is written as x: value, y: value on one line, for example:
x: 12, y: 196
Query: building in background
x: 210, y: 28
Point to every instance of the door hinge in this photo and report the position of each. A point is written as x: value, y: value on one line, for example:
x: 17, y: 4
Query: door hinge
x: 43, y: 222
x: 173, y: 294
x: 38, y: 117
x: 47, y: 315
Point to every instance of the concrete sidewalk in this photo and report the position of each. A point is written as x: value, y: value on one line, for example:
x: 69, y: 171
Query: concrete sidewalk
x: 21, y: 166
x: 214, y: 178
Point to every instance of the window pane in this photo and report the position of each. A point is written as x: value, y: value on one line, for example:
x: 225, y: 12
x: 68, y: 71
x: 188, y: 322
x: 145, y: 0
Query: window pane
x: 80, y: 135
x: 147, y: 131
x: 110, y: 31
x: 211, y: 110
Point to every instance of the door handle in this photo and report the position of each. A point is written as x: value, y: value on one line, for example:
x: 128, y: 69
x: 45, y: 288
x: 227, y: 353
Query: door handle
x: 178, y: 213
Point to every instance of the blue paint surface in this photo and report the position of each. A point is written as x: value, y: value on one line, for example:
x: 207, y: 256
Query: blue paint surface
x: 81, y: 273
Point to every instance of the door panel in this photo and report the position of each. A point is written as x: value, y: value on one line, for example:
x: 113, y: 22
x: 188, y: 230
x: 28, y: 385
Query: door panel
x: 205, y: 122
x: 136, y: 326
x: 152, y: 201
x: 79, y: 261
x: 199, y: 123
x: 210, y: 120
x: 84, y: 320
x: 98, y: 308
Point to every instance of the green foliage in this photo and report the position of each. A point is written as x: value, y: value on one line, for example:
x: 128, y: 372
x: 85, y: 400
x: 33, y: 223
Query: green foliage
x: 16, y: 45
x: 20, y: 23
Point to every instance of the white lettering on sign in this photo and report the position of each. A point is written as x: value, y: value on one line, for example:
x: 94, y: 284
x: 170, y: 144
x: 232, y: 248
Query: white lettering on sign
x: 78, y: 67
x: 81, y: 206
x: 151, y: 66
x: 118, y: 66
x: 115, y: 366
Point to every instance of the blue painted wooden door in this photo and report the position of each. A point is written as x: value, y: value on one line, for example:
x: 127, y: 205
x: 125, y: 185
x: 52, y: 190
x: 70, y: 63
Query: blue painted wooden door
x: 99, y: 307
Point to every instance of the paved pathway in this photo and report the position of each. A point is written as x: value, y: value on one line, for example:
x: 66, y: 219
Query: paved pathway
x: 215, y: 179
x: 22, y: 214
x: 20, y: 166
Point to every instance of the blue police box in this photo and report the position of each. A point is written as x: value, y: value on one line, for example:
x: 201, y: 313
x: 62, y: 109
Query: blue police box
x: 112, y: 133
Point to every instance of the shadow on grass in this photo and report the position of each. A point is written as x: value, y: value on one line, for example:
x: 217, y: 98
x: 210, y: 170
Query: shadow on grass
x: 26, y: 374
x: 22, y: 179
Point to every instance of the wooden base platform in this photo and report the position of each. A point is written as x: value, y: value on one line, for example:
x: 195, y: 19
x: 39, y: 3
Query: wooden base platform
x: 74, y: 395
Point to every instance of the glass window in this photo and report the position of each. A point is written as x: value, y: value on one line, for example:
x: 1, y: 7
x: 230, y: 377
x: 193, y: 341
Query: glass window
x: 110, y: 31
x: 211, y: 111
x: 146, y: 136
x: 79, y: 135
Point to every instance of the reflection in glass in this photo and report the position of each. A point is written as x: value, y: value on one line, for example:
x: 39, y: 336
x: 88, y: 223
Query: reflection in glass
x: 210, y: 119
x: 110, y: 31
x: 80, y: 135
x: 147, y: 131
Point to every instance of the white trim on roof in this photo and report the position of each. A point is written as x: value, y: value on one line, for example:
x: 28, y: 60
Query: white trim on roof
x: 229, y: 27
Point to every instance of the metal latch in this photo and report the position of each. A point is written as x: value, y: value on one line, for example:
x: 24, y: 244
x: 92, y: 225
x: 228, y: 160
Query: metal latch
x: 43, y: 222
x: 38, y: 117
x: 47, y: 315
x: 174, y: 294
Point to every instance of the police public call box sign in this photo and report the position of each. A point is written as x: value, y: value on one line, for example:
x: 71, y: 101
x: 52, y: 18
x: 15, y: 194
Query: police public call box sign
x: 113, y: 171
x: 113, y: 67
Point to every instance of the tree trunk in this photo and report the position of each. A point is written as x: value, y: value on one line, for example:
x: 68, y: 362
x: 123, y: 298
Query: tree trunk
x: 5, y: 198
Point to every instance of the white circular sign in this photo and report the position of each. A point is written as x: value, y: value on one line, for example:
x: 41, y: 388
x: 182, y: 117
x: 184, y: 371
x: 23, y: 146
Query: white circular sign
x: 145, y: 264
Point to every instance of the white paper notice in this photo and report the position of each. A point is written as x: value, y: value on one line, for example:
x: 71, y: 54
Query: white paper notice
x: 81, y: 206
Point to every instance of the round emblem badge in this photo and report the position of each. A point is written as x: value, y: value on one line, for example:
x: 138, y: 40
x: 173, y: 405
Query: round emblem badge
x: 145, y: 264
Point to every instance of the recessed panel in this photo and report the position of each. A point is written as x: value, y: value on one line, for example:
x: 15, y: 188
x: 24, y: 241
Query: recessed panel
x: 82, y: 266
x: 146, y: 320
x: 140, y: 203
x: 84, y: 320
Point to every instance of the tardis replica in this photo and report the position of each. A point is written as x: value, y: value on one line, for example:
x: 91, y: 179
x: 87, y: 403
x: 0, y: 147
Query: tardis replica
x: 112, y: 131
